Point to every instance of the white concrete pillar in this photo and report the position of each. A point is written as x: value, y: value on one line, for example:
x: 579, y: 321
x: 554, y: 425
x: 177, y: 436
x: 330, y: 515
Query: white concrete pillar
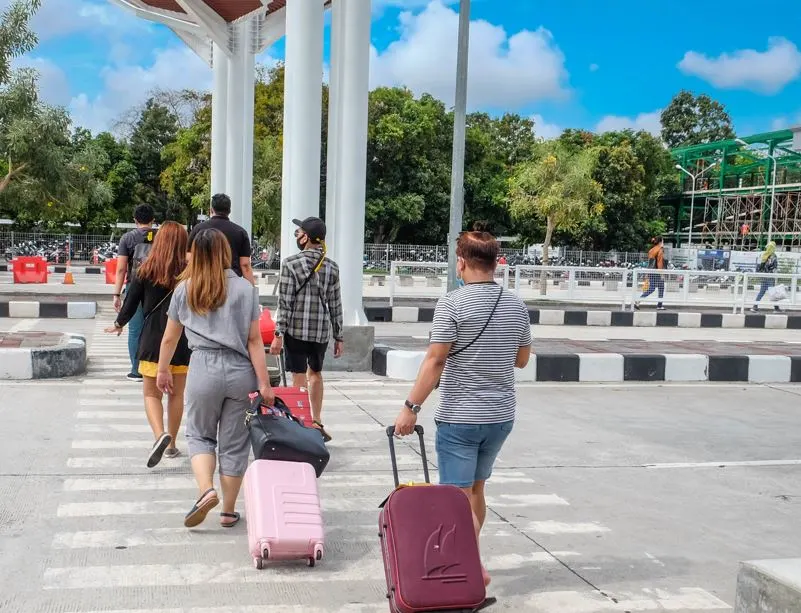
x: 235, y: 124
x: 219, y: 118
x: 303, y: 96
x: 334, y: 120
x: 249, y: 96
x: 352, y: 156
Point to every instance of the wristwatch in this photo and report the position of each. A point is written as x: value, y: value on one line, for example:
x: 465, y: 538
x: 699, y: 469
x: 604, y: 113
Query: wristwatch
x: 414, y: 408
x: 277, y: 334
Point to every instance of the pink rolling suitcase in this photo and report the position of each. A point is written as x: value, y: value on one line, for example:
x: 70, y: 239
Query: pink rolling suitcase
x: 282, y: 507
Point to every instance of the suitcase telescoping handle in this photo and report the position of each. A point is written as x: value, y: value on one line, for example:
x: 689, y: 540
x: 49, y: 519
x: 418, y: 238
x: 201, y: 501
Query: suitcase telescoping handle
x: 391, y: 436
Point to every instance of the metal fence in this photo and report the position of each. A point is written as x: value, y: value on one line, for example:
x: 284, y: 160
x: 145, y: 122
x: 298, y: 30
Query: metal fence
x: 427, y: 279
x: 56, y: 246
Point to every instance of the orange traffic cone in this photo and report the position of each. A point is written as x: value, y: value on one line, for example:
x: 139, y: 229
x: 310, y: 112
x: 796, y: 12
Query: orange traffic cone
x: 68, y: 280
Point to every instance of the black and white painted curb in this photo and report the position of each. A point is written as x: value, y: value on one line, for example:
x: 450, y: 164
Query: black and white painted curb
x: 637, y: 319
x: 65, y: 360
x: 615, y: 367
x: 61, y: 268
x: 21, y: 309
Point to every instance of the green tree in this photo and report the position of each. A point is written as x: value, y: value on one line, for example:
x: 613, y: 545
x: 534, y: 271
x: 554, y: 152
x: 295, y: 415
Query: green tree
x: 34, y: 137
x: 557, y: 187
x: 692, y: 120
x: 16, y: 36
x: 156, y: 128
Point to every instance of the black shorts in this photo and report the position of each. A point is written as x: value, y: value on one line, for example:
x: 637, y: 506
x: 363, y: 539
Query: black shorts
x: 301, y: 355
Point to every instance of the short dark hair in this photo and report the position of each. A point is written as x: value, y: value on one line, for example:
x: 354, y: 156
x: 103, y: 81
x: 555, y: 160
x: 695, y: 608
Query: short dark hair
x: 478, y: 249
x: 221, y: 203
x: 144, y: 214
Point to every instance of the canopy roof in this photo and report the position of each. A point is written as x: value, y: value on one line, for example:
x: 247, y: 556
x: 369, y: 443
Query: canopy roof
x: 229, y: 10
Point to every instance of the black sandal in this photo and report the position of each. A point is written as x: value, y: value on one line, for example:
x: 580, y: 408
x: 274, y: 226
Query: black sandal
x: 235, y: 516
x: 199, y: 511
x: 321, y: 427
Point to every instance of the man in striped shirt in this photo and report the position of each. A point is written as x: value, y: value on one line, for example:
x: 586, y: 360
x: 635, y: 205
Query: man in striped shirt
x: 309, y: 312
x: 480, y: 334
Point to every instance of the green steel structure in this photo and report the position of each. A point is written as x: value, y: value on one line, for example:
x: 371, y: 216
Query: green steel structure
x: 747, y: 191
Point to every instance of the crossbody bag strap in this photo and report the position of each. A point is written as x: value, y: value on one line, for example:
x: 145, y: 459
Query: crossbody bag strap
x: 156, y: 308
x: 478, y: 336
x: 305, y: 282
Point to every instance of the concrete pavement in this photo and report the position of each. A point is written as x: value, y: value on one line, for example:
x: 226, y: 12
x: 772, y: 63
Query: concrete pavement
x: 607, y: 498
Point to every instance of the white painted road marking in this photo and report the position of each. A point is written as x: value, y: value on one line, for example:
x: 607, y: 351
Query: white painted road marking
x: 555, y: 527
x: 690, y: 599
x: 526, y: 500
x: 725, y: 464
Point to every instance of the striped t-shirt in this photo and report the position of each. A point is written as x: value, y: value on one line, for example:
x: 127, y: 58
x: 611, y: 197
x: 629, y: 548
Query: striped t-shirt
x: 478, y: 384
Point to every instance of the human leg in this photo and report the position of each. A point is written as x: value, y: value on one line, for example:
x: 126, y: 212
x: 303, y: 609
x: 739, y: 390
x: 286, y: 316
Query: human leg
x: 295, y: 361
x: 155, y: 417
x: 175, y: 410
x: 234, y: 439
x: 134, y: 332
x: 204, y: 392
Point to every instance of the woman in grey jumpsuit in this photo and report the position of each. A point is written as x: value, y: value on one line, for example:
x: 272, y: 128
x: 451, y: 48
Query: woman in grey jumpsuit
x: 219, y: 311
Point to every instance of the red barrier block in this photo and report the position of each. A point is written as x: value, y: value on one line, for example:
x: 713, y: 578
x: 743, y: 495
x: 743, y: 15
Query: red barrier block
x: 29, y: 270
x: 111, y: 271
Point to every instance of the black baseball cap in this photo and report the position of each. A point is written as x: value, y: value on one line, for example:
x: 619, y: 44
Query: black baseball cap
x: 314, y: 227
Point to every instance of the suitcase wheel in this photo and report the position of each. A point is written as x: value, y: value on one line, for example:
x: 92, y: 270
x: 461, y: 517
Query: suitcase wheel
x: 318, y: 553
x: 310, y: 562
x: 258, y: 563
x: 266, y: 553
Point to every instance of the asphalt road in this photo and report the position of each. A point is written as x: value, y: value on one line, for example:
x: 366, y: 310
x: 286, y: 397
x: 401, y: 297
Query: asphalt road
x: 622, y: 497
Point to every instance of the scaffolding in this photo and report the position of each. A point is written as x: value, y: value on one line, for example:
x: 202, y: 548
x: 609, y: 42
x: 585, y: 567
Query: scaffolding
x: 746, y: 195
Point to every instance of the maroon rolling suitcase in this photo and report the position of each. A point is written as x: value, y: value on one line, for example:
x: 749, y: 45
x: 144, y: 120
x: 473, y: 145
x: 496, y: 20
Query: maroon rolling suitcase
x: 429, y: 546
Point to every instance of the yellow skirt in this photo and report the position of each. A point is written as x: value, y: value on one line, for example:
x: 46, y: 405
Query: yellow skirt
x: 151, y: 369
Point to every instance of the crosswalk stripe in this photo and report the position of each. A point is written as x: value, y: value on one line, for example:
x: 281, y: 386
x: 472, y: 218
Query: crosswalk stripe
x: 349, y: 608
x: 164, y: 575
x: 526, y: 500
x: 685, y: 599
x: 99, y: 428
x: 555, y: 527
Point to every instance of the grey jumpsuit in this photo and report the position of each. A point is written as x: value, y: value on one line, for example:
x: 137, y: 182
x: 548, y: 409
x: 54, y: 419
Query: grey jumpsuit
x: 220, y: 374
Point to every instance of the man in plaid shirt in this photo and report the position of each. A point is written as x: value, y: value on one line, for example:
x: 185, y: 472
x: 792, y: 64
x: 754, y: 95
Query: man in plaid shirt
x: 309, y: 312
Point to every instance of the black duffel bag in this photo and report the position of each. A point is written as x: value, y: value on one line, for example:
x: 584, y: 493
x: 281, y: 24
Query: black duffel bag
x: 275, y: 434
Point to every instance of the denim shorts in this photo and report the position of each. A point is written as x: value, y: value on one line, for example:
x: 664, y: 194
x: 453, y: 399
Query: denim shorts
x: 467, y: 452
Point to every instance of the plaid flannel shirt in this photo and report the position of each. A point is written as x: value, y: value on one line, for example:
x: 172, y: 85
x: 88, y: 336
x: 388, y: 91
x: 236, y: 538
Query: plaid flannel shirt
x: 314, y: 312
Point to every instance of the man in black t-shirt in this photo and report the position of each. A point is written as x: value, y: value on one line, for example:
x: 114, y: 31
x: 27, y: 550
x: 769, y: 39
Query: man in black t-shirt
x: 237, y: 236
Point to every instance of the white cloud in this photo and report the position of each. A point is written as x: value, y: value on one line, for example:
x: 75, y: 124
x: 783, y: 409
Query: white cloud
x: 129, y: 85
x: 765, y: 72
x: 650, y: 122
x: 545, y: 130
x: 504, y: 71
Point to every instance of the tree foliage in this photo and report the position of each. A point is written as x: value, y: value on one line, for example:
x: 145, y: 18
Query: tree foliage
x: 558, y: 188
x: 692, y: 120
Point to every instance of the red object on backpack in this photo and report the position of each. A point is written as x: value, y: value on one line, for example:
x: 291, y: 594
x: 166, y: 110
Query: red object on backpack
x: 267, y: 327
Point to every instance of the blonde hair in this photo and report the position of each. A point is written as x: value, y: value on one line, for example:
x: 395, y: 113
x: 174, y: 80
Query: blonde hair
x: 206, y: 283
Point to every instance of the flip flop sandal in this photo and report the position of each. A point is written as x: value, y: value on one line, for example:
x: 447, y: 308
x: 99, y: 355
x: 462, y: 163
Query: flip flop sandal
x: 231, y: 524
x: 201, y: 508
x: 326, y: 436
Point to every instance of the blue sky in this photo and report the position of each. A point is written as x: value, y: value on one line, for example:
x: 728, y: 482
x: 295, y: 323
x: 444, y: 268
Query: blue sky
x: 595, y: 64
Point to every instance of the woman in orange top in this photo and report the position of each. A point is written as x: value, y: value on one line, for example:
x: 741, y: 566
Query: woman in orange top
x: 656, y: 259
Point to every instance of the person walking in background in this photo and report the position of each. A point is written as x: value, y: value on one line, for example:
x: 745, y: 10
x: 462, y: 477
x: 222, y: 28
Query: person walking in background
x: 768, y: 264
x: 150, y: 291
x: 480, y: 334
x: 309, y: 312
x: 219, y: 311
x: 237, y: 236
x: 656, y: 260
x: 133, y: 249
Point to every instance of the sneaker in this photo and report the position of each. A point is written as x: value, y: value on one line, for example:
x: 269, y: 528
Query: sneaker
x: 172, y: 452
x: 637, y: 306
x: 159, y: 447
x: 134, y: 376
x: 755, y: 309
x: 660, y: 308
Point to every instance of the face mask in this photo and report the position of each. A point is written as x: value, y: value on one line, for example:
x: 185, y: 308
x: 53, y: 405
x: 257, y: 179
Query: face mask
x: 301, y: 242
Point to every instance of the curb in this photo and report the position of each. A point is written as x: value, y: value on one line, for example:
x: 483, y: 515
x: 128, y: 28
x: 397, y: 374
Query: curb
x: 65, y: 360
x: 608, y: 318
x: 616, y: 367
x: 21, y: 309
x: 60, y: 268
